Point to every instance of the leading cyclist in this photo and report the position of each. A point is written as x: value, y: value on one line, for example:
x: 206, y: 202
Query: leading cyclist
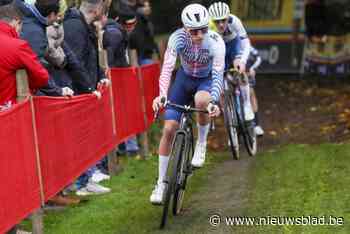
x: 237, y: 45
x: 202, y: 56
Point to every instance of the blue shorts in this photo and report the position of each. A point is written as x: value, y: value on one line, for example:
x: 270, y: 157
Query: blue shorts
x: 233, y: 48
x: 182, y: 92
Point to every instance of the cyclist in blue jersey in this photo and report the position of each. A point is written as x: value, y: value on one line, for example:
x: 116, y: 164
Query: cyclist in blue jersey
x: 199, y: 78
x: 237, y: 45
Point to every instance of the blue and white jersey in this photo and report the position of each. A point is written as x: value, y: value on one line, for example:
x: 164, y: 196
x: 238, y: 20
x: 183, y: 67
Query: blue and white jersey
x: 234, y: 29
x: 197, y: 60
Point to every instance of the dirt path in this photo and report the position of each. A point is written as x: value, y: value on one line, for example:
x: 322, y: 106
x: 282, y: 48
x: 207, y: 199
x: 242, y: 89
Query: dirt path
x: 292, y: 112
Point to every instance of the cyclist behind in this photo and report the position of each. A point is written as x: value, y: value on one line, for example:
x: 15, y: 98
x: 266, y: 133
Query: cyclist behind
x: 237, y: 44
x: 202, y: 56
x: 253, y: 63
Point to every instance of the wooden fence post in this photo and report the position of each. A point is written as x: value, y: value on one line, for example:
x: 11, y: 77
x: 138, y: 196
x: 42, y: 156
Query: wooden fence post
x: 23, y: 93
x: 114, y: 167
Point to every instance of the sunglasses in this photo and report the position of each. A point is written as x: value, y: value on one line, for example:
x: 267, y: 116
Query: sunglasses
x: 220, y: 21
x: 194, y: 32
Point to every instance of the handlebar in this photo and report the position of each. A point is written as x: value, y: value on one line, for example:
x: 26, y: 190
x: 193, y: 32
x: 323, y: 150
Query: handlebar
x: 184, y: 108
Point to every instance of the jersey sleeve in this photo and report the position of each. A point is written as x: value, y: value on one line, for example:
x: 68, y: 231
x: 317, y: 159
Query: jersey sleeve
x: 242, y: 34
x: 218, y: 68
x: 169, y: 63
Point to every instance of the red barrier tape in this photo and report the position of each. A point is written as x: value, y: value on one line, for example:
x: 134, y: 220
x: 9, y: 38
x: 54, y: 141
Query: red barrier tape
x: 73, y: 134
x: 150, y: 75
x: 127, y: 102
x: 20, y: 190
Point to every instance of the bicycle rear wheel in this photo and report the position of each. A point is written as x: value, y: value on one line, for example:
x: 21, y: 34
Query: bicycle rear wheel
x: 172, y: 174
x: 247, y: 131
x: 185, y: 169
x: 231, y: 123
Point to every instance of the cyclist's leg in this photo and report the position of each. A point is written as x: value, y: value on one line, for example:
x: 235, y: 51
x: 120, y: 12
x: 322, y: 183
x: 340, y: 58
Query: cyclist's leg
x: 247, y: 105
x: 172, y: 117
x: 202, y: 99
x: 258, y: 129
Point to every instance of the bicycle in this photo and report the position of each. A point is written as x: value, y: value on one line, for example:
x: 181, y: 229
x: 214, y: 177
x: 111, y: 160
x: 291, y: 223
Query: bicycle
x: 179, y: 168
x: 234, y: 117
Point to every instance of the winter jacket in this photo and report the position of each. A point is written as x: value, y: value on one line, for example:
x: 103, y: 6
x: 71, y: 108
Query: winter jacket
x: 16, y: 54
x: 115, y: 42
x: 83, y: 41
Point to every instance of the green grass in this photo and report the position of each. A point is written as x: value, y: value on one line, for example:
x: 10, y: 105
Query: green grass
x: 292, y: 181
x: 301, y: 180
x: 126, y: 209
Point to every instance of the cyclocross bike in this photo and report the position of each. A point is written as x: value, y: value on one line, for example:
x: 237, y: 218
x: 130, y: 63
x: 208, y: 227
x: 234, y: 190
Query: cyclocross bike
x: 179, y: 168
x: 236, y: 125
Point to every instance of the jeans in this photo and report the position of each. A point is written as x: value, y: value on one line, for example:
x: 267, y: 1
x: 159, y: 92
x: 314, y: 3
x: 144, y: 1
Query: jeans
x: 83, y: 180
x: 131, y: 144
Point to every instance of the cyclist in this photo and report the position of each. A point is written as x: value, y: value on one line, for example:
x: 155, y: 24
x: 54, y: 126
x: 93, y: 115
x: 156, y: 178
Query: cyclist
x: 237, y: 44
x: 202, y: 56
x: 253, y: 63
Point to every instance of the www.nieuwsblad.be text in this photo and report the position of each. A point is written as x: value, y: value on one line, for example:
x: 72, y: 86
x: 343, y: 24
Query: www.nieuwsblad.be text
x: 330, y: 220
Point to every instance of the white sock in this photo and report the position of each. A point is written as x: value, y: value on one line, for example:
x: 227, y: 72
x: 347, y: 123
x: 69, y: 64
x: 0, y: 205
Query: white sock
x: 162, y: 167
x: 246, y: 96
x: 203, y: 131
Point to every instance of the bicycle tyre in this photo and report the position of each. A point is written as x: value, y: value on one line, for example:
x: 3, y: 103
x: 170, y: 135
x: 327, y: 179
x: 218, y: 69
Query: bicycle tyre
x: 172, y: 172
x: 229, y: 115
x: 247, y: 131
x: 186, y: 170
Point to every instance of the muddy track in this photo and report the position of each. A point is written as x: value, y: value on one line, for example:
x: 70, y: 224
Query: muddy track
x: 289, y: 114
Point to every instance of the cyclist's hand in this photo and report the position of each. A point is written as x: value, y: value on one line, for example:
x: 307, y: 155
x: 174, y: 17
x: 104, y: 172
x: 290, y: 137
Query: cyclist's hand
x: 67, y: 92
x: 213, y: 109
x: 157, y: 103
x: 239, y: 65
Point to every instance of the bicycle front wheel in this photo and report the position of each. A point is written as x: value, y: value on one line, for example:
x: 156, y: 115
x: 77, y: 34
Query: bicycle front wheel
x: 184, y: 169
x: 172, y: 174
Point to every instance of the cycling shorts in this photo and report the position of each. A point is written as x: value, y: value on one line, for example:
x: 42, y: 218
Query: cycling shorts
x: 233, y: 48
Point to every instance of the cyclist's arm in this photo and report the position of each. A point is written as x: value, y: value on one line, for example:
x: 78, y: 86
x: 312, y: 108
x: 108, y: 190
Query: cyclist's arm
x: 256, y: 64
x: 243, y: 36
x: 175, y: 42
x: 167, y: 69
x: 218, y: 70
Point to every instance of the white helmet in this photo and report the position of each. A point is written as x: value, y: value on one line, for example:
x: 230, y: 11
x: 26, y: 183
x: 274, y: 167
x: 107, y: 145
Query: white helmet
x: 219, y: 11
x: 195, y: 16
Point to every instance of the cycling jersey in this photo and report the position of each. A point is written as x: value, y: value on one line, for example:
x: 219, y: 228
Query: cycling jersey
x: 234, y: 30
x: 198, y: 61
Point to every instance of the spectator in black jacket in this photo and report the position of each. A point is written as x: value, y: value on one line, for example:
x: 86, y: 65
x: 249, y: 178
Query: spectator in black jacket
x: 116, y: 37
x: 142, y: 38
x: 81, y: 36
x: 116, y: 42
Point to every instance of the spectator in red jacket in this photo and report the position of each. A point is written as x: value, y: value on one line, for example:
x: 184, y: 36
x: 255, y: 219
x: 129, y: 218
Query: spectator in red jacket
x: 16, y: 54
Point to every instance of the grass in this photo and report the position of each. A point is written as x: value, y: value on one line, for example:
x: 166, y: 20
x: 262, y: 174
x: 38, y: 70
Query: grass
x: 292, y: 181
x: 301, y: 180
x: 125, y: 210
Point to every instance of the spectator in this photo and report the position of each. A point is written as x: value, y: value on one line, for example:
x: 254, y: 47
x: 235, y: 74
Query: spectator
x: 116, y: 37
x: 81, y: 37
x: 16, y: 54
x: 115, y: 41
x: 36, y: 18
x: 142, y: 39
